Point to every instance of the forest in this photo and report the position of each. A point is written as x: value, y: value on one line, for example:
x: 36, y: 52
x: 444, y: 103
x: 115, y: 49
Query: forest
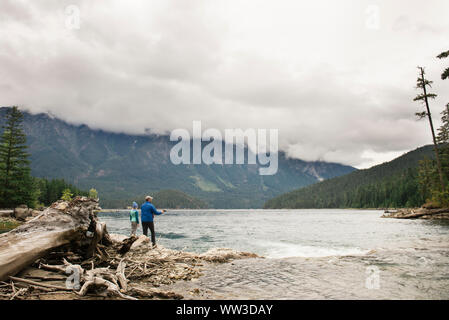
x: 17, y: 186
x: 389, y: 185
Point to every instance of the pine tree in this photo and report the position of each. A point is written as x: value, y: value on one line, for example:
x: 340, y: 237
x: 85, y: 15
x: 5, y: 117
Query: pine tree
x: 16, y: 184
x: 67, y: 195
x: 93, y: 193
x: 423, y: 83
x: 443, y: 131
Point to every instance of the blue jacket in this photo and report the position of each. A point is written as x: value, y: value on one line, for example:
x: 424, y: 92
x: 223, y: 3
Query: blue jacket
x: 148, y: 211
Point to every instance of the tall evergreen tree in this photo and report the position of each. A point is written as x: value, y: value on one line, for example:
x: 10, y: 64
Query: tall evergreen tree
x: 443, y: 131
x: 423, y: 83
x: 16, y: 184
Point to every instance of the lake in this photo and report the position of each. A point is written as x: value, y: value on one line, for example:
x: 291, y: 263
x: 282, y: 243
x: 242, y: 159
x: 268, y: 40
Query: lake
x: 282, y: 233
x: 310, y: 254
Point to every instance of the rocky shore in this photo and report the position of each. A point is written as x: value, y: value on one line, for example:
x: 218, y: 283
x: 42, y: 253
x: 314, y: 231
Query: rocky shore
x: 67, y: 253
x: 138, y: 274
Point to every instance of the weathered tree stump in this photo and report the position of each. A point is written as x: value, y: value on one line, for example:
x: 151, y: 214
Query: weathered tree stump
x: 60, y: 224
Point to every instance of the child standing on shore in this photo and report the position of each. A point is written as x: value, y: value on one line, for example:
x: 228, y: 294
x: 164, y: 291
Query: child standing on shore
x: 134, y: 218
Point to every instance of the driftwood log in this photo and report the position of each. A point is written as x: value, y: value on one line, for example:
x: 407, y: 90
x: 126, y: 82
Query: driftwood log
x: 60, y: 224
x: 421, y: 213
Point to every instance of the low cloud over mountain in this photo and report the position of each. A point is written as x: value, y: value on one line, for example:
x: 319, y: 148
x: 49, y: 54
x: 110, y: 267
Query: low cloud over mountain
x: 336, y: 77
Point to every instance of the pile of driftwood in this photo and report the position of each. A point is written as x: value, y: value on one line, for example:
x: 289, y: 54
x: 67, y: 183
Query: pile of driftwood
x: 421, y: 213
x: 66, y: 252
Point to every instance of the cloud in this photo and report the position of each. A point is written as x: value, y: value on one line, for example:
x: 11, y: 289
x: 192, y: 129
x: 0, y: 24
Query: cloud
x: 336, y: 89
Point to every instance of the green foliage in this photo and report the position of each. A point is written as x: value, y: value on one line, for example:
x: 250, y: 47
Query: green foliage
x: 431, y: 187
x: 93, y: 193
x: 66, y: 195
x: 445, y: 73
x: 16, y: 184
x: 441, y: 198
x: 422, y: 97
x: 443, y: 131
x: 422, y: 83
x: 392, y: 184
x: 443, y: 55
x: 427, y: 177
x: 7, y: 224
x: 50, y: 191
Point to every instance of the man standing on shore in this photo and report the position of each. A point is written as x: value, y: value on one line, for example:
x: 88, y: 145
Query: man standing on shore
x: 148, y: 210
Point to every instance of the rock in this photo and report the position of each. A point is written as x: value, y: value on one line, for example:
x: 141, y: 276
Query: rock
x: 117, y: 237
x: 35, y: 213
x: 60, y: 205
x: 21, y: 213
x: 23, y: 206
x: 6, y: 213
x: 142, y: 240
x: 225, y: 255
x: 196, y: 291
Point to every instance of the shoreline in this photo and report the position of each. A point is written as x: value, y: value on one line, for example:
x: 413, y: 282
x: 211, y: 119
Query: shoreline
x: 227, y: 274
x: 140, y: 272
x: 418, y: 213
x: 129, y: 268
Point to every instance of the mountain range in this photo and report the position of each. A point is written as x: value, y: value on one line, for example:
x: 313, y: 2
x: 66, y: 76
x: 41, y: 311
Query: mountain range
x: 122, y: 166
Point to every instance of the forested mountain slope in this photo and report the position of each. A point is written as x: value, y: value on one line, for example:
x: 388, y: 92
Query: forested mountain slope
x: 391, y: 184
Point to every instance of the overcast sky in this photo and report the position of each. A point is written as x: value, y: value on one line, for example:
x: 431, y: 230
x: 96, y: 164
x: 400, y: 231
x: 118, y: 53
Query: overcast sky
x: 335, y: 77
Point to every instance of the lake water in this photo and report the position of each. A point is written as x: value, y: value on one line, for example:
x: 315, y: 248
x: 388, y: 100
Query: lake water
x: 282, y: 233
x: 310, y: 254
